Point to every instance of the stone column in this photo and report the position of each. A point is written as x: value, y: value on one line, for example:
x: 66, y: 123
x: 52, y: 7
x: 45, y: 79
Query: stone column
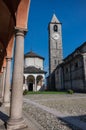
x: 16, y: 120
x: 1, y: 76
x: 7, y: 82
x: 26, y: 86
x: 35, y: 85
x: 84, y: 72
x: 3, y: 81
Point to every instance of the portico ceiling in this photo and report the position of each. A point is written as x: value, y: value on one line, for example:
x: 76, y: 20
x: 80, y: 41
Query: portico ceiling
x: 7, y: 22
x: 13, y: 13
x: 7, y: 19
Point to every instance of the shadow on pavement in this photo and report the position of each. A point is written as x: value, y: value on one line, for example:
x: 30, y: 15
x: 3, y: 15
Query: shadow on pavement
x: 3, y: 117
x: 75, y: 121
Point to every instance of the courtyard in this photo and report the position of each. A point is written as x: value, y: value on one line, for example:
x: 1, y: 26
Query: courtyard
x: 53, y: 112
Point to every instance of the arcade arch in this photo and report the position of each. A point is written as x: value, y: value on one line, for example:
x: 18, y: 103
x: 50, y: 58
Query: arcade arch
x: 39, y: 81
x: 33, y: 82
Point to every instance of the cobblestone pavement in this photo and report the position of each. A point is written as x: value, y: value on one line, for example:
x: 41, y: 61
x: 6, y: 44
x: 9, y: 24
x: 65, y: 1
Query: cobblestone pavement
x: 71, y: 105
x: 39, y: 118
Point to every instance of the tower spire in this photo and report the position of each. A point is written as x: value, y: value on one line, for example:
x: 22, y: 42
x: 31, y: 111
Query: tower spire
x: 54, y: 19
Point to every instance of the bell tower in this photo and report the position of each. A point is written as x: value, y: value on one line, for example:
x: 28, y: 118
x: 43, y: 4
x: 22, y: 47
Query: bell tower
x: 55, y: 43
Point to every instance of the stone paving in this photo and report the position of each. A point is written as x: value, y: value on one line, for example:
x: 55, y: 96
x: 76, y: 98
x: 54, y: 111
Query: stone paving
x: 38, y: 107
x: 54, y: 112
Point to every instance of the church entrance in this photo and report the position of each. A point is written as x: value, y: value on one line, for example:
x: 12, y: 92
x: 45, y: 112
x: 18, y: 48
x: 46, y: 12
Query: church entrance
x: 30, y: 87
x: 30, y: 82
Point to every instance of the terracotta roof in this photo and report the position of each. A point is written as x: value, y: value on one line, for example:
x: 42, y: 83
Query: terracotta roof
x: 32, y: 69
x: 32, y: 54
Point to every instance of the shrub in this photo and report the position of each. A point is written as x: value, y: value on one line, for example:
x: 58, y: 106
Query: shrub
x: 70, y: 91
x: 25, y: 92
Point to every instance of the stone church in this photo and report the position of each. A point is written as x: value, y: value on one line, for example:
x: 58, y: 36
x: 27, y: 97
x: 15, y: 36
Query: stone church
x: 68, y: 73
x: 34, y: 74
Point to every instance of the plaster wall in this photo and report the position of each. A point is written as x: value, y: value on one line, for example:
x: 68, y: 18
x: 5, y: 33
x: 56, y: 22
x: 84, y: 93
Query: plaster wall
x: 37, y: 62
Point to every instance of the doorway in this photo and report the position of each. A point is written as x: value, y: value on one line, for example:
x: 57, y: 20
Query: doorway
x: 30, y: 82
x: 30, y: 87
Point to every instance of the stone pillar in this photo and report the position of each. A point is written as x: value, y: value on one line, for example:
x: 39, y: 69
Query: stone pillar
x: 7, y: 82
x: 35, y: 85
x: 84, y: 71
x: 26, y: 86
x: 3, y: 81
x: 1, y: 76
x: 16, y: 120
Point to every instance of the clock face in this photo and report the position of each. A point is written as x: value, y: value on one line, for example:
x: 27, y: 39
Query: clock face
x: 55, y: 36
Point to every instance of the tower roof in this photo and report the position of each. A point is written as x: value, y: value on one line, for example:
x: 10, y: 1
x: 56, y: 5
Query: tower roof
x: 33, y: 69
x: 32, y: 54
x: 54, y: 19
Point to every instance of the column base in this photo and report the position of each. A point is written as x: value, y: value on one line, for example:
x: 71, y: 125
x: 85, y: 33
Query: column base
x: 16, y: 124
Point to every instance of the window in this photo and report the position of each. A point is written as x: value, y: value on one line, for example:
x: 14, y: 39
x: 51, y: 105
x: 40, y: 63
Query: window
x: 55, y: 28
x: 56, y: 46
x: 76, y: 65
x: 57, y: 72
x: 55, y: 62
x: 67, y: 70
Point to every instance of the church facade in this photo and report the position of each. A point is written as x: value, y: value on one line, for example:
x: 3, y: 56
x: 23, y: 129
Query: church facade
x: 68, y: 73
x: 34, y: 75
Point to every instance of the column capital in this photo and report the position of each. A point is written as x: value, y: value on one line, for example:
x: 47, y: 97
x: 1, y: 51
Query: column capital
x: 8, y: 58
x: 20, y: 31
x: 4, y: 67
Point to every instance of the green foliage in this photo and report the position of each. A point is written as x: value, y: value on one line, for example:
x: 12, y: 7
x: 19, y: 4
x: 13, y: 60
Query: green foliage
x: 25, y: 92
x: 47, y: 92
x: 70, y: 91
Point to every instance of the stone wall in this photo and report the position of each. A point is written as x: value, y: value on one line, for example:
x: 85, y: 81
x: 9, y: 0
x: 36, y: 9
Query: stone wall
x: 71, y: 73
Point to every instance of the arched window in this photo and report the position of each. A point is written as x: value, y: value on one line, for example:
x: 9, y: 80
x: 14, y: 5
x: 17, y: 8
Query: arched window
x: 67, y: 69
x: 55, y: 28
x: 76, y: 65
x: 55, y: 62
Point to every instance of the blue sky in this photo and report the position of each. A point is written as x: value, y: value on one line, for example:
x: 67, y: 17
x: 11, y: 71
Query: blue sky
x: 72, y: 15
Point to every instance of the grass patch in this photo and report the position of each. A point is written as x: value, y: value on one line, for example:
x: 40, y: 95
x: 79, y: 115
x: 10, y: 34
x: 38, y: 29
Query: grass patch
x: 48, y: 92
